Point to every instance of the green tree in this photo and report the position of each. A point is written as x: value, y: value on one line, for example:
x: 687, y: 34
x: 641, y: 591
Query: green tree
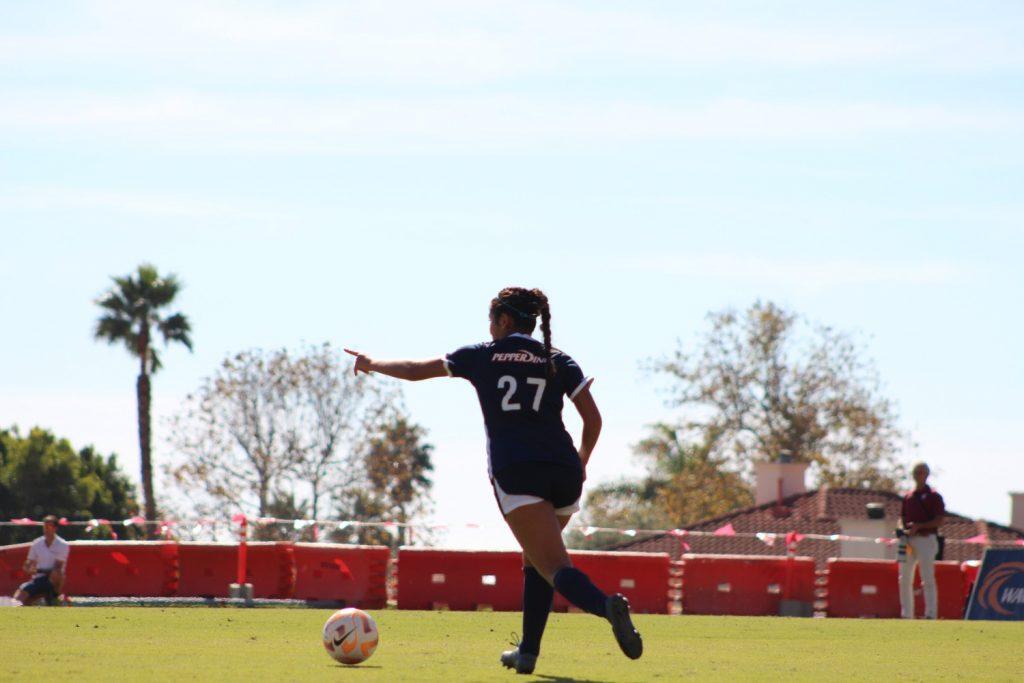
x: 132, y: 311
x: 685, y: 482
x: 41, y: 474
x: 269, y: 423
x: 765, y: 385
x: 394, y: 486
x: 761, y: 385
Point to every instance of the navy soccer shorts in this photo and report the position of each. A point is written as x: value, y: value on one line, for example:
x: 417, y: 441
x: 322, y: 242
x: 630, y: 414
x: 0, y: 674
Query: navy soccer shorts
x: 532, y: 482
x: 39, y: 585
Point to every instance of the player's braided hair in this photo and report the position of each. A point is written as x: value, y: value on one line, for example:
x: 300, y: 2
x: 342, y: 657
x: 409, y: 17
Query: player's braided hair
x: 524, y: 305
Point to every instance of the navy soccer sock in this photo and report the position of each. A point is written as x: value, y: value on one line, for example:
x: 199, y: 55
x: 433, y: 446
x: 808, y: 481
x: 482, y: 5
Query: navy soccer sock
x: 580, y: 591
x: 537, y: 597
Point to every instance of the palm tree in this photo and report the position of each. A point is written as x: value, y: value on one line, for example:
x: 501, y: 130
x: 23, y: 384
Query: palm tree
x: 131, y: 309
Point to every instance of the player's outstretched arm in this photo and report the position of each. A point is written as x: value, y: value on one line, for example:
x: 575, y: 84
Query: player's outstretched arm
x: 412, y: 370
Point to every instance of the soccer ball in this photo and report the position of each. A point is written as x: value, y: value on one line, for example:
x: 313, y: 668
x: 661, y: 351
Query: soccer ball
x: 350, y: 635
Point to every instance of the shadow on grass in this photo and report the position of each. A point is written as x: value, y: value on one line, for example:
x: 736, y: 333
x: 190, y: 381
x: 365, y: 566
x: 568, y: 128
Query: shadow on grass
x: 355, y: 667
x: 568, y: 679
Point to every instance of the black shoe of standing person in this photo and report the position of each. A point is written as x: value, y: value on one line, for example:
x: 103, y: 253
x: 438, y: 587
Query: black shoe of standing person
x: 617, y: 611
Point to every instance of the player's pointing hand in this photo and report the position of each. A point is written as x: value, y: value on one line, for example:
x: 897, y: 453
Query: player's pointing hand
x: 363, y: 362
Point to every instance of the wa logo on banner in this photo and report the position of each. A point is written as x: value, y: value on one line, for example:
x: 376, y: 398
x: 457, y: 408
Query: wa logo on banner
x: 999, y: 590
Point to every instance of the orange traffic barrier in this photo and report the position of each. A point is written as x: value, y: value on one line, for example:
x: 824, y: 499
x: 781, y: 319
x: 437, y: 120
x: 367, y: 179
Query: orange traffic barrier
x: 353, y: 574
x: 870, y: 588
x: 746, y: 585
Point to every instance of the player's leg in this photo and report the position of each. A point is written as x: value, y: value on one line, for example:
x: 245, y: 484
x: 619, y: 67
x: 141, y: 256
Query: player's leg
x: 539, y: 533
x: 926, y: 548
x: 538, y: 595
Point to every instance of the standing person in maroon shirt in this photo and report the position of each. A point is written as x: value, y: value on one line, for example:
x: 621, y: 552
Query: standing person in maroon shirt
x: 922, y: 514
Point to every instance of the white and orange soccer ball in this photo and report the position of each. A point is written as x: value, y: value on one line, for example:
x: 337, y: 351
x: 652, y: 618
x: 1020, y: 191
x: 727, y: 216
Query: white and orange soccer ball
x: 350, y: 635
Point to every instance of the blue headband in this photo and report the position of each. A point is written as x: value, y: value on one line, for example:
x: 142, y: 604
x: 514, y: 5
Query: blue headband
x: 521, y: 314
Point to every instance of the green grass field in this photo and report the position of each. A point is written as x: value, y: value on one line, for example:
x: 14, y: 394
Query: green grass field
x: 284, y: 644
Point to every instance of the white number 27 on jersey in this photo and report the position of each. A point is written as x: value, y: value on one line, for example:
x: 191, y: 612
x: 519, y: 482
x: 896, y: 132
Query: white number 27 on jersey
x: 508, y: 382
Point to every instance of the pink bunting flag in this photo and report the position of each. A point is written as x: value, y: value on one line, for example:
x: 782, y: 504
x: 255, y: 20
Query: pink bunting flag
x: 23, y: 521
x: 238, y: 518
x: 794, y: 537
x: 1020, y: 541
x: 767, y: 539
x: 980, y: 538
x: 120, y: 558
x: 680, y: 535
x: 726, y: 530
x: 63, y: 521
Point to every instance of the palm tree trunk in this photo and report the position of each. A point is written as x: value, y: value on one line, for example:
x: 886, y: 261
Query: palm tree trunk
x: 143, y: 390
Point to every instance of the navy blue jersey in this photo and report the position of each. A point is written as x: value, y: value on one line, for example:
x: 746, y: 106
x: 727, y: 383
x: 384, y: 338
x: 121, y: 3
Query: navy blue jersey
x: 520, y: 399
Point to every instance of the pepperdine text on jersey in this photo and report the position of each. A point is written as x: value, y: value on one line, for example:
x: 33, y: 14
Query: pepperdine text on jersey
x: 517, y: 357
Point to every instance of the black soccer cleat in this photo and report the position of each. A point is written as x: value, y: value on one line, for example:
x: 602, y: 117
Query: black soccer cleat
x: 522, y: 662
x: 617, y: 611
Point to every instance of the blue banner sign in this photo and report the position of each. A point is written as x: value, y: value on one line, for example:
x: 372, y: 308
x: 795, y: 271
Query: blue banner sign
x: 999, y: 590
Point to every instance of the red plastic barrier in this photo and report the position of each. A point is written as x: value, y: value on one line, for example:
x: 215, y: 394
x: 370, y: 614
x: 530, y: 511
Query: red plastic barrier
x: 870, y: 588
x: 355, y: 575
x: 970, y: 570
x: 103, y: 568
x: 207, y: 569
x: 122, y: 569
x: 641, y: 577
x: 459, y: 579
x: 469, y: 580
x: 12, y: 558
x: 747, y: 585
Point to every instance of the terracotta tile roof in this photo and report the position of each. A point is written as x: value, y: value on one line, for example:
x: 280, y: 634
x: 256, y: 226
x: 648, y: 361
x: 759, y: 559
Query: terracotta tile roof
x: 814, y: 512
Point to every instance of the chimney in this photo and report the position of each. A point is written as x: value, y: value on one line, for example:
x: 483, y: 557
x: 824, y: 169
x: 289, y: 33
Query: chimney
x: 776, y: 480
x: 1017, y: 511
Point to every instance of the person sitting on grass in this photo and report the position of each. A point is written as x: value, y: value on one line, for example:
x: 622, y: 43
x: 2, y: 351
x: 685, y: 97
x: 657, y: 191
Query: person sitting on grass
x: 46, y: 562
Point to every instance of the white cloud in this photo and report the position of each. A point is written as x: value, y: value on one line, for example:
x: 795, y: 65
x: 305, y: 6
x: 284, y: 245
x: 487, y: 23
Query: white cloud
x: 34, y: 198
x: 199, y: 120
x: 803, y: 273
x: 457, y: 42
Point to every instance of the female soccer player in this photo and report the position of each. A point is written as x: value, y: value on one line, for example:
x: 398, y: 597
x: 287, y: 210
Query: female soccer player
x: 536, y: 472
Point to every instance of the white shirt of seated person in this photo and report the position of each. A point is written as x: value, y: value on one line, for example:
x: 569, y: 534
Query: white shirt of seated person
x: 47, y: 556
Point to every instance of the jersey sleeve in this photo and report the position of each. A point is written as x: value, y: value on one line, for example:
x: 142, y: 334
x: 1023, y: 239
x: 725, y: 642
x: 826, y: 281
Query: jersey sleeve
x: 462, y: 362
x: 573, y: 379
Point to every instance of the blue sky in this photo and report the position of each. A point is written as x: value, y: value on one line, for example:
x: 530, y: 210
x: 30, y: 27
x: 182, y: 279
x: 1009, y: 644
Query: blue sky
x: 372, y: 175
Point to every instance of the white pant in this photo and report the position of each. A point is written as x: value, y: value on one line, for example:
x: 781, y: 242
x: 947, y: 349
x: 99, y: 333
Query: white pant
x: 921, y: 552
